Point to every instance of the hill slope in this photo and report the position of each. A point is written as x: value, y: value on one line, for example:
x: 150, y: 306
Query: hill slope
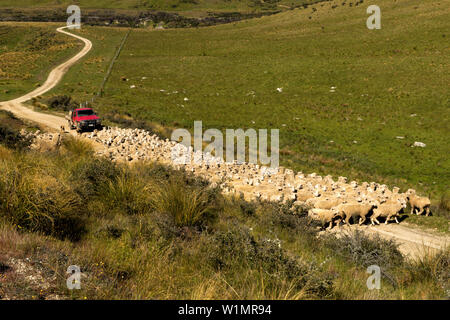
x: 167, y: 5
x: 390, y: 83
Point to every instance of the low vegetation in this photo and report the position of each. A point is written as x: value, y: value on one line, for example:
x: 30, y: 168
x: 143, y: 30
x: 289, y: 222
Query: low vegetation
x: 184, y: 6
x: 146, y: 231
x: 9, y: 135
x: 27, y: 53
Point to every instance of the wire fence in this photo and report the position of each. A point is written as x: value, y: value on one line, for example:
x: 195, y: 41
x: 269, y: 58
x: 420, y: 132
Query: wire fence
x: 108, y: 73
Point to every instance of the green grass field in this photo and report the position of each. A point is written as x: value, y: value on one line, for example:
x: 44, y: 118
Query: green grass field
x: 166, y: 5
x: 390, y: 83
x: 27, y: 53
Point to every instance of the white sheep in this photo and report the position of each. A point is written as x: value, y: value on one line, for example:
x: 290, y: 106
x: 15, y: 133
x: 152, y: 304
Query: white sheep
x: 325, y: 216
x: 327, y: 203
x: 387, y: 210
x: 351, y: 210
x: 419, y: 203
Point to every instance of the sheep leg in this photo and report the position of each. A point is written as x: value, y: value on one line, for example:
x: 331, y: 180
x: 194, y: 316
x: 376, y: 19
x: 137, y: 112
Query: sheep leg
x: 362, y: 220
x: 412, y: 209
x: 347, y: 220
x: 374, y: 218
x: 330, y: 226
x: 396, y: 220
x: 387, y: 219
x: 420, y: 212
x: 428, y: 211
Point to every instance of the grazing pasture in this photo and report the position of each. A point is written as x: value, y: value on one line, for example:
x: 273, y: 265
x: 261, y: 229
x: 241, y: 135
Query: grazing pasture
x: 27, y: 53
x: 347, y: 100
x: 190, y: 6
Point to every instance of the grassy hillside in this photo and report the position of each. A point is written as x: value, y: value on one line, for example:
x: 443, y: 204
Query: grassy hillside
x: 166, y: 5
x: 30, y: 50
x: 149, y: 232
x: 27, y: 53
x: 389, y: 83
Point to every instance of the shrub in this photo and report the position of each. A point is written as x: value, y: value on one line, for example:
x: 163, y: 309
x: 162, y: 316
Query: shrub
x: 246, y: 207
x: 13, y: 139
x: 236, y: 250
x: 4, y: 267
x: 126, y: 193
x: 429, y: 266
x: 64, y: 103
x: 295, y: 220
x: 187, y: 205
x: 74, y: 147
x: 444, y: 205
x: 91, y: 175
x: 40, y: 202
x: 365, y: 251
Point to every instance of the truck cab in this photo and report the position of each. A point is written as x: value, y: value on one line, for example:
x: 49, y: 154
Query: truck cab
x: 84, y: 119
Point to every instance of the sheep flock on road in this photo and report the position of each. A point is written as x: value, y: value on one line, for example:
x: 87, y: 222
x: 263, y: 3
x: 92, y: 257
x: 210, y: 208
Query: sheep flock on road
x: 331, y: 201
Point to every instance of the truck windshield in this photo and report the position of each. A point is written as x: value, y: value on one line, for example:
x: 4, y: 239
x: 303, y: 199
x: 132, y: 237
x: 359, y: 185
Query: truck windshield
x: 82, y: 113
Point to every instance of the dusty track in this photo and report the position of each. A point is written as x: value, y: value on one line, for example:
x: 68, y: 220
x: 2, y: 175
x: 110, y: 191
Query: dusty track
x: 413, y: 242
x: 51, y: 121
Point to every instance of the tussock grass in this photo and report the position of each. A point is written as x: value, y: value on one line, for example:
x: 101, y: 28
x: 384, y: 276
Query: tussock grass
x: 127, y: 193
x: 192, y: 206
x: 76, y: 147
x: 432, y: 266
x: 5, y: 153
x: 35, y: 201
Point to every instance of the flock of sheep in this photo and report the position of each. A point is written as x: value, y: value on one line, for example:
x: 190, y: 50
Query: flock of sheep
x: 330, y: 201
x: 337, y: 211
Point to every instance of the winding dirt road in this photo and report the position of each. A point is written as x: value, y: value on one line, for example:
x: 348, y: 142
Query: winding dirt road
x: 54, y: 122
x: 413, y: 241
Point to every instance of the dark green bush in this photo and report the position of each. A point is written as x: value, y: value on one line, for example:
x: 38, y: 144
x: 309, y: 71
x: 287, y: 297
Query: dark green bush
x: 364, y: 250
x: 283, y: 216
x: 63, y: 103
x: 13, y: 139
x: 237, y: 248
x: 91, y: 174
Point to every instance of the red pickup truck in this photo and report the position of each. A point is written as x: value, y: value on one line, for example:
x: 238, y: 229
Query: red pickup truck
x: 84, y: 119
